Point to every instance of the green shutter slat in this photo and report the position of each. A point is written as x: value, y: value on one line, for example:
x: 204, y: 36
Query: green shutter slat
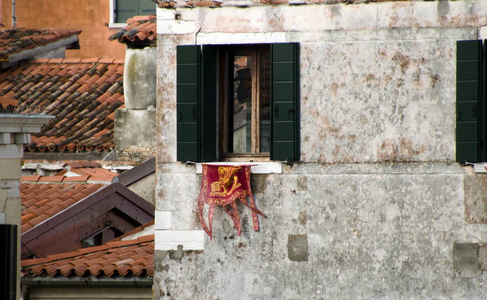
x: 285, y: 102
x: 125, y: 9
x: 146, y: 7
x: 187, y: 95
x: 209, y: 104
x: 468, y: 101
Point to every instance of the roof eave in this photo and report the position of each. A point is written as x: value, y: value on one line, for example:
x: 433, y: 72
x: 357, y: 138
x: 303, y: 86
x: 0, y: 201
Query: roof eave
x: 48, y: 281
x: 41, y: 51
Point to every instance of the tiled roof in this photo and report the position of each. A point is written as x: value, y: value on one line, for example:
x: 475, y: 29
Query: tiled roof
x: 64, y: 230
x: 83, y: 94
x: 42, y: 201
x: 139, y: 29
x: 8, y: 104
x: 122, y: 258
x: 16, y: 40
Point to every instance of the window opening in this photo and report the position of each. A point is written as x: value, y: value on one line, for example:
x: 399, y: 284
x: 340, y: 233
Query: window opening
x: 246, y: 125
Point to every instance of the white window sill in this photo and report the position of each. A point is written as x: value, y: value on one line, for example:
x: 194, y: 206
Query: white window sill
x: 478, y: 167
x: 258, y: 168
x: 116, y: 25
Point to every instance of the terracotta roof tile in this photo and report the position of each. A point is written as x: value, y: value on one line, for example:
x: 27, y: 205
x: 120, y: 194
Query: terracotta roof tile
x: 76, y: 178
x: 75, y: 92
x: 107, y: 60
x: 131, y: 257
x: 139, y: 29
x: 51, y: 179
x: 19, y: 39
x: 30, y: 178
x: 42, y: 201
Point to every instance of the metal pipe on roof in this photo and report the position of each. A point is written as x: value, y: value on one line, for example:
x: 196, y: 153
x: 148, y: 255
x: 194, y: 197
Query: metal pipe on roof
x: 25, y: 292
x: 14, y: 17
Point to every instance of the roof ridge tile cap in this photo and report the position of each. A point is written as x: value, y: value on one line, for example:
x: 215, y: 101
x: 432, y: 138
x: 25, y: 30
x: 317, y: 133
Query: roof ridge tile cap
x: 117, y: 244
x: 146, y: 238
x: 60, y: 256
x: 90, y: 60
x: 30, y: 178
x: 34, y: 261
x: 93, y: 249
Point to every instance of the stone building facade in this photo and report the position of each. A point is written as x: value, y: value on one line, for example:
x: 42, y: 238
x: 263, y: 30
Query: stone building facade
x: 15, y: 132
x: 375, y: 204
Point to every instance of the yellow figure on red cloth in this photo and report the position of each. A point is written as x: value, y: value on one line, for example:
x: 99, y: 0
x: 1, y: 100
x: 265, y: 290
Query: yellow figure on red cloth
x: 224, y: 185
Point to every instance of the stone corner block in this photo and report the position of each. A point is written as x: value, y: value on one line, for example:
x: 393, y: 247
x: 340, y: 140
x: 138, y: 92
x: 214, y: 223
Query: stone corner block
x: 297, y: 247
x: 172, y: 239
x: 465, y: 259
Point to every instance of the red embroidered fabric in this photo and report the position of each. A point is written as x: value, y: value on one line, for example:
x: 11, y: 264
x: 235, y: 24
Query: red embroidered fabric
x: 223, y: 185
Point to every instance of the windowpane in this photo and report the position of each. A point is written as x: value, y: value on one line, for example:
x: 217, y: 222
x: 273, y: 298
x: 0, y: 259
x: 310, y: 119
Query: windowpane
x: 242, y: 103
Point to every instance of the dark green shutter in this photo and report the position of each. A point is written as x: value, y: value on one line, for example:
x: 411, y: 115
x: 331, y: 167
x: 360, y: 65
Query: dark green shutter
x: 468, y: 111
x: 209, y: 105
x: 146, y: 7
x: 125, y: 9
x: 188, y: 94
x: 285, y: 102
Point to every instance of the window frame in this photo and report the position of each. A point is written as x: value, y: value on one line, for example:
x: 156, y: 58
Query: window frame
x: 197, y: 88
x: 256, y: 51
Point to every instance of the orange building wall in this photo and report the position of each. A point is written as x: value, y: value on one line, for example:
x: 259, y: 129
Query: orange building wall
x: 90, y: 16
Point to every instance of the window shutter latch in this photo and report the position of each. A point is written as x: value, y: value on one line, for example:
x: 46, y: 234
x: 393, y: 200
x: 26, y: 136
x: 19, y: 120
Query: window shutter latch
x: 276, y: 111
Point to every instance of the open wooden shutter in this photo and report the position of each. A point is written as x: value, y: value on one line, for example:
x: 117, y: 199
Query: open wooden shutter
x: 285, y: 102
x: 209, y: 104
x: 469, y: 104
x: 188, y: 99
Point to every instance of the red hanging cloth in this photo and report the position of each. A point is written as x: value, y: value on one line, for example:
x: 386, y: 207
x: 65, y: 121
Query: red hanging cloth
x: 223, y: 185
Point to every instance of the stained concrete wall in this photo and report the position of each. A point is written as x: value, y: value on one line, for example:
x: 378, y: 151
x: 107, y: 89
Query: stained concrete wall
x: 134, y: 134
x: 139, y: 78
x: 145, y: 188
x: 135, y: 124
x: 376, y: 206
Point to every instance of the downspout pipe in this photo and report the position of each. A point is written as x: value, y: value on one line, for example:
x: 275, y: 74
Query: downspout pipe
x: 25, y: 292
x: 14, y: 17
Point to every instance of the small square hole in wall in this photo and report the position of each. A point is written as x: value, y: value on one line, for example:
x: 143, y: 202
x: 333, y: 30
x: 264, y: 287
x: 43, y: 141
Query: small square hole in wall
x: 297, y: 247
x: 465, y: 259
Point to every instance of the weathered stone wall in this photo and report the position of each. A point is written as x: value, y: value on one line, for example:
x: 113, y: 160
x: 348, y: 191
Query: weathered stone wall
x: 15, y: 132
x: 376, y: 207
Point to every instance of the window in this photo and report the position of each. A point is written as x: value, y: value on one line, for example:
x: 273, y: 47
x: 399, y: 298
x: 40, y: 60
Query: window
x: 471, y: 102
x: 238, y: 102
x: 125, y: 9
x: 246, y: 109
